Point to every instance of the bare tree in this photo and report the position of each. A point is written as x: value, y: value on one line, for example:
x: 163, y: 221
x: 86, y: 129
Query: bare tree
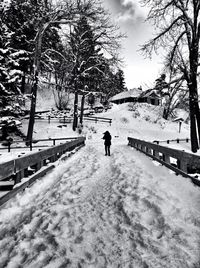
x: 64, y: 12
x: 93, y: 35
x: 68, y: 12
x: 174, y: 97
x: 178, y: 25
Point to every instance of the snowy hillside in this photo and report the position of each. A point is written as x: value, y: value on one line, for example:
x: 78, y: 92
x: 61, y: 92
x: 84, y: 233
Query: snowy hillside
x: 106, y: 212
x: 143, y: 121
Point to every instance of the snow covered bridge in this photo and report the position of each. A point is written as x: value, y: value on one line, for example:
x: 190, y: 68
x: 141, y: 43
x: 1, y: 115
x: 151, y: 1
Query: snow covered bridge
x: 98, y: 211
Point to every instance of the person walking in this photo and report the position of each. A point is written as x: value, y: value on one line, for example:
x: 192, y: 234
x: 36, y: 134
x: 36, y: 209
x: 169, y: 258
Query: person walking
x: 107, y: 137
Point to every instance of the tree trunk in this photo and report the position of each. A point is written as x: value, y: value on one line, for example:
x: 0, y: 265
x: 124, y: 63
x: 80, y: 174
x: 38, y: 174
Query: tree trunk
x: 23, y: 83
x: 193, y: 94
x: 82, y: 109
x: 37, y: 57
x: 32, y: 111
x: 193, y: 124
x: 75, y: 121
x: 197, y: 112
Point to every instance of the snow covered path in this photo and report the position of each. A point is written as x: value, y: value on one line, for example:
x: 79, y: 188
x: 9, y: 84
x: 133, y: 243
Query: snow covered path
x: 98, y: 211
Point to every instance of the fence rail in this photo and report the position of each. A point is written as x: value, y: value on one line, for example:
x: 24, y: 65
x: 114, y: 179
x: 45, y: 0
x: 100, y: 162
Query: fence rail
x: 69, y: 119
x: 17, y: 168
x: 31, y: 144
x: 177, y: 160
x: 97, y: 118
x: 174, y: 140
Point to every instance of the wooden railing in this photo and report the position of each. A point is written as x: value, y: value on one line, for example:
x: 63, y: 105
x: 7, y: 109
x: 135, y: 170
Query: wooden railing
x: 17, y: 168
x: 33, y: 143
x: 174, y: 140
x: 177, y: 160
x: 69, y: 119
x: 98, y: 119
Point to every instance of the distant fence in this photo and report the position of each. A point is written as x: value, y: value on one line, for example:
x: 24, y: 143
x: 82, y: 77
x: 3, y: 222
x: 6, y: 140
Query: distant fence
x: 33, y: 143
x: 69, y: 119
x: 177, y: 160
x: 18, y: 167
x: 98, y: 119
x: 174, y: 140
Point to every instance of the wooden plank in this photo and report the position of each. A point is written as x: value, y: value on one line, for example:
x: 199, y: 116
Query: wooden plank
x: 6, y: 169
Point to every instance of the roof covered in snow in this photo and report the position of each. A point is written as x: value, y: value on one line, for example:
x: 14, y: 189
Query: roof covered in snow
x: 149, y: 93
x: 134, y: 93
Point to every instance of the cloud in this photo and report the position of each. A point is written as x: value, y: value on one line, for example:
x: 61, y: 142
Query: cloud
x: 130, y: 11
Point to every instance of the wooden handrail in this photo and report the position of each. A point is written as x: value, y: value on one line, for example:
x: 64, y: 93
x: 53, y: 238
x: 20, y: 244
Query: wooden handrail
x: 17, y: 166
x: 185, y: 162
x: 174, y: 140
x: 31, y: 143
x: 96, y: 119
x: 64, y: 118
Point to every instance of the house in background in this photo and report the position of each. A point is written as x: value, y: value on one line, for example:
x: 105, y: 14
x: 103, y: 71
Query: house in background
x: 150, y: 96
x: 137, y: 95
x: 126, y: 96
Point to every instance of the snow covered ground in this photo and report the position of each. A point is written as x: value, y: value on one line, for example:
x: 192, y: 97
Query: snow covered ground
x: 98, y: 211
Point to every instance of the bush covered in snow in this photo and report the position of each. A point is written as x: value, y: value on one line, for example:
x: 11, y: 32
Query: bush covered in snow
x: 124, y: 120
x: 12, y: 105
x: 148, y: 112
x: 8, y: 126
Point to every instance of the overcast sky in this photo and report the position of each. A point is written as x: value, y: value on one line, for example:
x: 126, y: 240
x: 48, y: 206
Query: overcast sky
x: 130, y: 16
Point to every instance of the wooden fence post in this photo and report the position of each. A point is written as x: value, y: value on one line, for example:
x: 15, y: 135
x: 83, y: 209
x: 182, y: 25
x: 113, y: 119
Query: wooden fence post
x: 19, y: 176
x: 39, y: 165
x: 148, y: 150
x: 156, y: 153
x: 182, y: 164
x: 166, y: 158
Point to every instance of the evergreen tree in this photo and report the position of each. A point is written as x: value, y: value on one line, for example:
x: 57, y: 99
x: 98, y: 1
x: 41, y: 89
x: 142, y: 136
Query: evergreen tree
x: 9, y: 62
x: 161, y: 85
x: 85, y: 54
x: 9, y: 73
x: 120, y: 81
x: 23, y: 19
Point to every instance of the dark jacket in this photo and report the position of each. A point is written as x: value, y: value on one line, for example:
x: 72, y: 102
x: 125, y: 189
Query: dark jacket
x: 107, y: 137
